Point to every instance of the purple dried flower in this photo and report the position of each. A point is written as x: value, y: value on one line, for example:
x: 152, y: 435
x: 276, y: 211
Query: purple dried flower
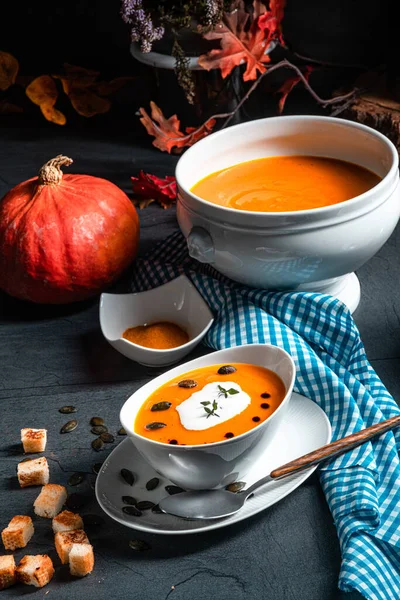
x: 142, y: 28
x: 212, y: 12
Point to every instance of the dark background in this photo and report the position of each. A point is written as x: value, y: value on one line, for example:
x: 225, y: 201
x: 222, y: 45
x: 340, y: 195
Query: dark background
x: 44, y: 34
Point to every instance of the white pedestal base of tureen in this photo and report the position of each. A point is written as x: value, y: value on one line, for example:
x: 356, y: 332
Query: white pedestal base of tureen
x: 346, y: 289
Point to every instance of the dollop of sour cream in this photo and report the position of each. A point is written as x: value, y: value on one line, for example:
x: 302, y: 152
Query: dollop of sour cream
x: 194, y: 417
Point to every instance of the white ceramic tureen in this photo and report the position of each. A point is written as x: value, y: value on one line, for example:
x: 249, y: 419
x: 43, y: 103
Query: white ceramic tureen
x: 310, y: 250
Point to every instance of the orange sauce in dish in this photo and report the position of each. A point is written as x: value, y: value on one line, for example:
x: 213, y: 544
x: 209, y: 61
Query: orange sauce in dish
x: 285, y: 183
x: 265, y: 388
x: 159, y: 336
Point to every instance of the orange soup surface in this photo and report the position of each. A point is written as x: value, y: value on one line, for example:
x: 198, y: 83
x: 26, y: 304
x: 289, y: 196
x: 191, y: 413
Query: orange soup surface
x: 159, y: 336
x: 164, y: 418
x: 286, y: 183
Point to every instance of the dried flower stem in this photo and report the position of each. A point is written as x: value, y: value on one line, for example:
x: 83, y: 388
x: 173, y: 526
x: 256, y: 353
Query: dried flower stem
x: 346, y: 98
x: 285, y: 63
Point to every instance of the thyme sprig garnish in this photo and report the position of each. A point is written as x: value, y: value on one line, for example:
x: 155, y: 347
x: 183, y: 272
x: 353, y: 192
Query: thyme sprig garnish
x: 221, y: 392
x: 225, y: 393
x: 210, y: 411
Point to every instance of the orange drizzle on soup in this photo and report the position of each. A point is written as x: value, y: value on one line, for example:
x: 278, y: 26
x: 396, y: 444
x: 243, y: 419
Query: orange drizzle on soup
x: 158, y: 418
x: 285, y: 183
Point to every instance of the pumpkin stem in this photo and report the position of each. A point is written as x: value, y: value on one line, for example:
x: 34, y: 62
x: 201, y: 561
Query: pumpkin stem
x: 50, y: 173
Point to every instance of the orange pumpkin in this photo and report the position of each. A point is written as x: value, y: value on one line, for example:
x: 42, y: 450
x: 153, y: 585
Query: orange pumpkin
x: 64, y: 238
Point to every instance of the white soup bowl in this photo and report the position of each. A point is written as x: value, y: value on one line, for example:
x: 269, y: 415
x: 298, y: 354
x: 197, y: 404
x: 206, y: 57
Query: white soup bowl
x: 218, y: 464
x: 177, y: 301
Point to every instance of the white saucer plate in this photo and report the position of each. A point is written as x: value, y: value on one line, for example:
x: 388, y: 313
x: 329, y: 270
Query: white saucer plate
x: 306, y: 428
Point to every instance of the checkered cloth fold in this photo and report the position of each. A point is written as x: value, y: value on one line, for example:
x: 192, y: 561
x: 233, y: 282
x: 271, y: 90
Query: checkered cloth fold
x: 362, y: 487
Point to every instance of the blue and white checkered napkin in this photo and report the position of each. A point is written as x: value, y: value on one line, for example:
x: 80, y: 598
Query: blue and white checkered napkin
x: 362, y: 487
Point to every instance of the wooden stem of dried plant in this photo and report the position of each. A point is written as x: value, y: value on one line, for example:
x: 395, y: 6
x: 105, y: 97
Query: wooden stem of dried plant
x: 345, y: 98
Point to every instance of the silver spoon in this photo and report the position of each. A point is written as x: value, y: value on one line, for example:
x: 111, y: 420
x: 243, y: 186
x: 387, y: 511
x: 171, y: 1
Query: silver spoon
x: 215, y: 504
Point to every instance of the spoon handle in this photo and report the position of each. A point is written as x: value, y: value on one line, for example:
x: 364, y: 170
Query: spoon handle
x: 335, y: 448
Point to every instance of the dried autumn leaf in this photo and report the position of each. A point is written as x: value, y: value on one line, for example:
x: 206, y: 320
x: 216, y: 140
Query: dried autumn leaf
x: 80, y: 75
x: 9, y: 108
x: 53, y: 115
x: 166, y: 131
x: 105, y: 88
x: 289, y: 84
x: 197, y: 133
x: 148, y: 188
x: 43, y: 92
x: 79, y: 84
x: 9, y: 67
x: 271, y: 20
x: 239, y: 45
x: 87, y: 103
x: 259, y: 8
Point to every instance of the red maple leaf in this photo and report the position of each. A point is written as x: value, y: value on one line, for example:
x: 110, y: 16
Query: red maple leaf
x: 166, y: 132
x: 289, y: 84
x: 148, y: 188
x: 239, y: 45
x: 271, y: 21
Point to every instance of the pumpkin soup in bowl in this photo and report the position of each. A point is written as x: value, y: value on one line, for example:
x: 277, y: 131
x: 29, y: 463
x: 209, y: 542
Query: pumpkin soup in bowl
x: 210, y: 404
x: 285, y: 183
x: 208, y: 457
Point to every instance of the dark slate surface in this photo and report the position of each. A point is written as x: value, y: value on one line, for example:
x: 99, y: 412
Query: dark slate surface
x: 51, y: 356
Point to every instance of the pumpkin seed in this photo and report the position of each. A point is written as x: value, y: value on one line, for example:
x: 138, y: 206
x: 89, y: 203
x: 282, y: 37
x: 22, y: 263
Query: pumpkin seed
x: 157, y: 510
x: 226, y: 370
x: 145, y: 505
x: 76, y: 479
x: 75, y: 501
x: 132, y: 511
x: 66, y: 410
x: 92, y: 520
x: 152, y: 484
x: 187, y: 383
x: 235, y: 487
x: 107, y: 438
x: 96, y: 421
x: 96, y: 468
x: 70, y: 426
x: 139, y: 545
x: 173, y: 489
x: 160, y: 406
x: 98, y: 429
x: 97, y: 444
x: 129, y: 500
x: 121, y: 431
x: 155, y: 425
x: 127, y: 476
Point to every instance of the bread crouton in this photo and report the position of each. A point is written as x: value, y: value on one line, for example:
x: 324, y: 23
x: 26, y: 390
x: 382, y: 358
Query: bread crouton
x: 35, y: 570
x: 34, y: 440
x: 18, y: 532
x: 64, y: 541
x: 81, y: 560
x: 7, y: 571
x: 50, y: 500
x: 33, y: 472
x: 67, y: 521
